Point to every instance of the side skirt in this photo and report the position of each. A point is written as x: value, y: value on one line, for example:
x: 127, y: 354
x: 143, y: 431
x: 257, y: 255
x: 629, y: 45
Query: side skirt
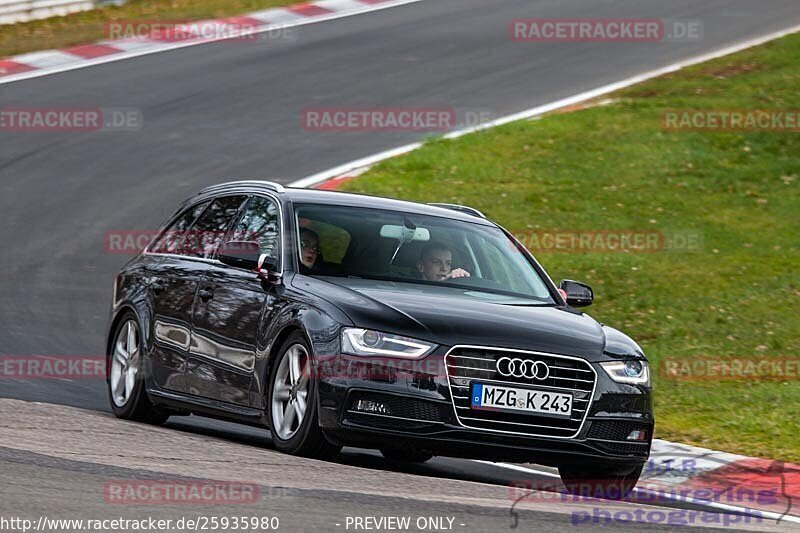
x: 210, y: 408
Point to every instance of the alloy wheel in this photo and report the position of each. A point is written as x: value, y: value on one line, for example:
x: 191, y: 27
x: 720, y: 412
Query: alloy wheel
x: 290, y: 392
x: 125, y: 362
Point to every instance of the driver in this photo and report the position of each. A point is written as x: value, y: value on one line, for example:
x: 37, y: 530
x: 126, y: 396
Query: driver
x: 436, y: 263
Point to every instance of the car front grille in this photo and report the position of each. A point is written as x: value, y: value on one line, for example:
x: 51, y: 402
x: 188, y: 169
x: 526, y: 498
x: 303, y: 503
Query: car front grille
x: 467, y: 364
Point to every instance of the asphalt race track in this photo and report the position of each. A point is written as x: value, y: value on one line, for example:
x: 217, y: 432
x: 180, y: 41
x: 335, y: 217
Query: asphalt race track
x: 233, y: 109
x: 62, y: 462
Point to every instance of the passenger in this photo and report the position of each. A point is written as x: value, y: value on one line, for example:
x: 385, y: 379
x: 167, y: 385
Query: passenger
x: 436, y: 263
x: 310, y: 255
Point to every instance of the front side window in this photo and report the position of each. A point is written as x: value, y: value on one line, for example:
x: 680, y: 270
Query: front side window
x: 433, y: 251
x: 322, y: 245
x: 208, y: 231
x: 261, y: 223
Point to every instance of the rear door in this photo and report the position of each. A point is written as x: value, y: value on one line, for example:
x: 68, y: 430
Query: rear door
x: 232, y: 308
x: 173, y: 282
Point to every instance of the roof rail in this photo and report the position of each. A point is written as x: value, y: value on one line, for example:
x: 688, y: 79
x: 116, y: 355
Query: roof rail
x: 277, y: 187
x: 461, y: 208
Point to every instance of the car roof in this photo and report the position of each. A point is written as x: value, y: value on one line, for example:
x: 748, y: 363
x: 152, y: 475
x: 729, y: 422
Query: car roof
x: 325, y: 197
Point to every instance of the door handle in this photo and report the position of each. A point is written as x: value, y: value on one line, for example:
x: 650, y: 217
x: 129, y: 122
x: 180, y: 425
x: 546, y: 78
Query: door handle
x: 157, y: 287
x: 206, y: 294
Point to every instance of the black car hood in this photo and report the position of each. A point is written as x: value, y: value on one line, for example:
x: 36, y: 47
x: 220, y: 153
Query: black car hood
x: 450, y: 316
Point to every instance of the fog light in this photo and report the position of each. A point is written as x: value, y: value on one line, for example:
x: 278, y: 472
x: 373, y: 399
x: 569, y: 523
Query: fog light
x: 368, y: 406
x: 637, y: 434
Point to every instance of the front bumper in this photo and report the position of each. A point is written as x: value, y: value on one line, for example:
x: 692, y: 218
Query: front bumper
x: 421, y: 413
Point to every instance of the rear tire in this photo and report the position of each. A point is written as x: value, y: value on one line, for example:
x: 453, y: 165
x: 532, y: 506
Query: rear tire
x: 125, y: 381
x: 610, y: 483
x: 292, y: 403
x: 406, y: 455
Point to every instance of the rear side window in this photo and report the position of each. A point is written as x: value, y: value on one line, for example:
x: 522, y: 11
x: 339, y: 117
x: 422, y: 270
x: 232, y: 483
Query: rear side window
x: 261, y: 223
x: 172, y: 239
x: 208, y: 231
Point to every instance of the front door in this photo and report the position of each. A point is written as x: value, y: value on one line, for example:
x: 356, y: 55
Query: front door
x: 230, y: 312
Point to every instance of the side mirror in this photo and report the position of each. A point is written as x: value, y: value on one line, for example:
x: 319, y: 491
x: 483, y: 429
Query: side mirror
x: 240, y: 254
x: 247, y: 255
x: 578, y: 294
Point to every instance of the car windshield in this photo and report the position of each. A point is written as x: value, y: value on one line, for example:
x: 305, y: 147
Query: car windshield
x: 392, y: 246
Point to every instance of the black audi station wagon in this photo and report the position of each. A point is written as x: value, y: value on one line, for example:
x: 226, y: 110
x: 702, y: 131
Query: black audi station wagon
x: 338, y: 319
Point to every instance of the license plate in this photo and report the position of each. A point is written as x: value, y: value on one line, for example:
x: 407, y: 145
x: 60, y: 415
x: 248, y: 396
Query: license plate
x: 532, y: 401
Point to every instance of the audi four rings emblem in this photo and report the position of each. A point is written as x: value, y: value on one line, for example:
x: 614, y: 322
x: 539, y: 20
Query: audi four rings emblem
x: 523, y: 368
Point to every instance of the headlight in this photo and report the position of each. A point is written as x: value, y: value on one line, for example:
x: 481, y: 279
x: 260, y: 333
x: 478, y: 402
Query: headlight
x: 357, y: 341
x: 632, y: 371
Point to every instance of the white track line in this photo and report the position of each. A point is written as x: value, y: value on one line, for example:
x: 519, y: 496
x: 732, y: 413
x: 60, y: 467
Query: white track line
x: 665, y: 495
x: 367, y: 8
x: 545, y: 108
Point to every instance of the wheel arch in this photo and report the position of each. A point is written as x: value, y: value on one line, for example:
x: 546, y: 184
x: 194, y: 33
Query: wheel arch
x: 115, y: 322
x: 281, y: 337
x: 120, y: 313
x: 319, y: 329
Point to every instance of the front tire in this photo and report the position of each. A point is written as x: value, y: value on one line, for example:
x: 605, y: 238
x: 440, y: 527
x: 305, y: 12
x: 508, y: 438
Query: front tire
x: 610, y: 483
x: 292, y: 403
x: 125, y: 363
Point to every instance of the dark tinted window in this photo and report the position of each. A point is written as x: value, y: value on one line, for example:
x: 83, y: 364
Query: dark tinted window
x: 260, y: 222
x: 208, y: 231
x: 171, y: 239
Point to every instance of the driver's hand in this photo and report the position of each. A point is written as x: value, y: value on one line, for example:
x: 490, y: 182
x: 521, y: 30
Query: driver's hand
x: 458, y: 273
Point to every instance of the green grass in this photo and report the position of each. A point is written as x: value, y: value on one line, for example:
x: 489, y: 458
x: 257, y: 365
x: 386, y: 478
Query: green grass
x: 90, y: 26
x: 615, y: 167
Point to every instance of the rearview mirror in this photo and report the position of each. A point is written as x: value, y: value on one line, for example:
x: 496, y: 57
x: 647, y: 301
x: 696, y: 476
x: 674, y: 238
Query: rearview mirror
x: 578, y: 294
x: 391, y: 231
